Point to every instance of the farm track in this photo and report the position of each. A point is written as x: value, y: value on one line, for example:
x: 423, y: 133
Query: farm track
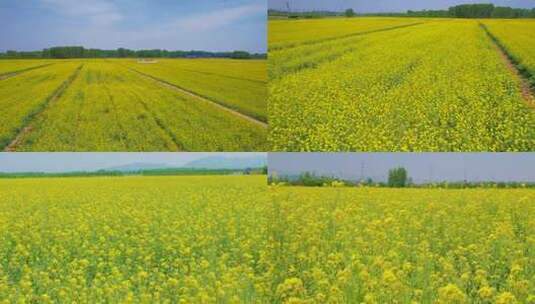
x: 27, y: 126
x: 15, y: 73
x: 528, y: 93
x: 201, y: 98
x: 312, y: 42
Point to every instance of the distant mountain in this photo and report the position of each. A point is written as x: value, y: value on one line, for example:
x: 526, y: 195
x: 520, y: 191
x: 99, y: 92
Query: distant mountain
x: 227, y: 162
x: 209, y: 162
x: 137, y: 167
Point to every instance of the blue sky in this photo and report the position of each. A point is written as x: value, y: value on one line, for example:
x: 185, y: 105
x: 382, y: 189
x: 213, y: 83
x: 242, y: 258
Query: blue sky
x: 422, y: 167
x: 367, y: 6
x: 213, y: 25
x: 65, y: 162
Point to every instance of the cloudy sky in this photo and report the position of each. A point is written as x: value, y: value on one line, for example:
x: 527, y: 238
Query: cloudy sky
x: 366, y: 6
x: 66, y: 162
x: 214, y: 25
x: 422, y: 167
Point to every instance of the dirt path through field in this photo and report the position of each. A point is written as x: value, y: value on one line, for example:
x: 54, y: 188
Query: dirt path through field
x: 198, y: 97
x: 27, y: 128
x: 13, y: 74
x: 525, y: 88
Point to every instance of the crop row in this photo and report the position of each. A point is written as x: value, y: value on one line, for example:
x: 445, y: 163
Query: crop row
x: 110, y: 108
x: 439, y: 86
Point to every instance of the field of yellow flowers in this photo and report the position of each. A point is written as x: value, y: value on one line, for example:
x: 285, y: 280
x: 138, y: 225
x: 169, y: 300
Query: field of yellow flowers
x: 24, y: 95
x: 134, y: 239
x: 290, y: 33
x: 13, y: 66
x: 238, y: 84
x: 433, y: 86
x: 104, y: 105
x: 232, y: 239
x: 367, y: 245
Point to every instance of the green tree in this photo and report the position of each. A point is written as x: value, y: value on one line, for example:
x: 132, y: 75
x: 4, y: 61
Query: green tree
x: 397, y: 177
x: 350, y: 13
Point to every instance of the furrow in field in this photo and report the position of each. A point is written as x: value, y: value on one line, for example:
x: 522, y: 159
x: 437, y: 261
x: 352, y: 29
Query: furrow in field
x: 201, y: 98
x: 522, y: 75
x: 178, y: 145
x: 18, y: 72
x: 27, y: 128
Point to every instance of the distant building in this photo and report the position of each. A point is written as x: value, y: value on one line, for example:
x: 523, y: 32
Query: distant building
x: 146, y: 60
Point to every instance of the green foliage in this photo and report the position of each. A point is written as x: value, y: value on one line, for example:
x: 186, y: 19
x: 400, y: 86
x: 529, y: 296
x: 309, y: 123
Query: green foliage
x: 63, y: 52
x: 306, y: 179
x: 476, y: 11
x: 349, y: 13
x: 397, y: 177
x: 150, y: 172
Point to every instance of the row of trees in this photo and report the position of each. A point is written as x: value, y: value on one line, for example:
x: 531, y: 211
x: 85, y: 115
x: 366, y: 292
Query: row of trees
x: 149, y: 172
x: 397, y: 178
x: 476, y: 11
x: 64, y: 52
x: 459, y: 11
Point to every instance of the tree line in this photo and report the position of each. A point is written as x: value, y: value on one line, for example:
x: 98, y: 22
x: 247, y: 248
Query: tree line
x: 66, y: 52
x: 477, y: 11
x: 397, y: 178
x: 458, y: 11
x: 148, y: 172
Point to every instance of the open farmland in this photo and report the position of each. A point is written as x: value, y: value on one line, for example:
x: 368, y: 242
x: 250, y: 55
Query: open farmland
x: 366, y: 245
x: 431, y: 85
x: 240, y: 85
x: 227, y: 239
x: 134, y: 239
x: 123, y: 105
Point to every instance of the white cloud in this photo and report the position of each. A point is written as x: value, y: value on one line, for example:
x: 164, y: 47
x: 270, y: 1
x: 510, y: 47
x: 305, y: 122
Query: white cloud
x: 217, y: 19
x: 98, y: 12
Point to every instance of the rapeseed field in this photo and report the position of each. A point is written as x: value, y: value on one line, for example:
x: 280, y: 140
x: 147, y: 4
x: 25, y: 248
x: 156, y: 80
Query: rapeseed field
x: 231, y: 239
x: 106, y: 105
x: 367, y: 245
x: 434, y: 86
